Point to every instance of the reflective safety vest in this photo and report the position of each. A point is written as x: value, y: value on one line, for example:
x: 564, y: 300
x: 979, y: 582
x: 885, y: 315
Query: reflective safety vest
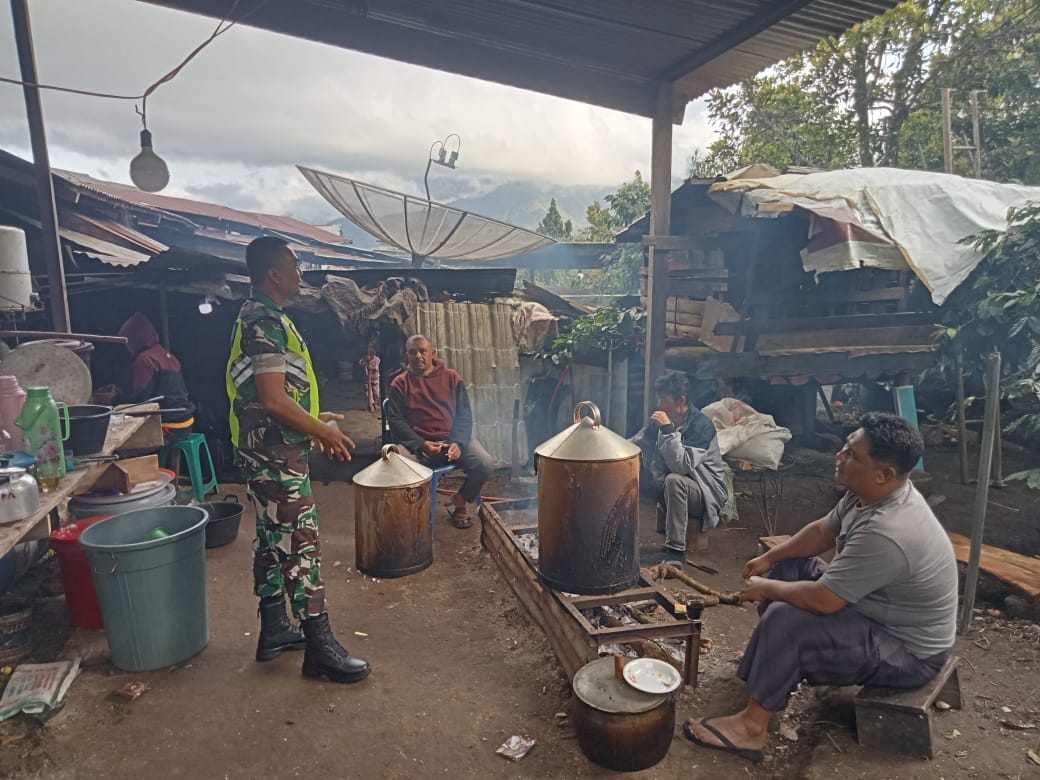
x: 298, y: 368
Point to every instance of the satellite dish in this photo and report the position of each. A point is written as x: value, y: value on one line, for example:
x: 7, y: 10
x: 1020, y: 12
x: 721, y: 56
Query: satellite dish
x: 423, y: 227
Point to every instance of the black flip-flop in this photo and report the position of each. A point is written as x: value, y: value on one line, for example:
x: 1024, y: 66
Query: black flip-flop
x: 459, y: 517
x: 755, y: 756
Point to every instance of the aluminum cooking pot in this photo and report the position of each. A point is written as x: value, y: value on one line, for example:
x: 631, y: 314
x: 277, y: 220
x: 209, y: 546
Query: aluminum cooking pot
x: 19, y: 495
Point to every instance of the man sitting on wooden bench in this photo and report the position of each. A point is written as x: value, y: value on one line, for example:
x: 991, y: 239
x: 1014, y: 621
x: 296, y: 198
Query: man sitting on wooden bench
x: 883, y: 612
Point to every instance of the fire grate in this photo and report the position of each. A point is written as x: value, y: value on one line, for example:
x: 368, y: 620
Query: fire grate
x: 574, y: 638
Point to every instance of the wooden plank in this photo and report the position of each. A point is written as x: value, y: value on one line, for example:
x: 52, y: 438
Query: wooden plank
x: 686, y: 305
x: 1017, y: 570
x: 848, y: 321
x: 846, y: 337
x: 672, y: 342
x: 694, y: 289
x: 633, y: 594
x: 829, y: 296
x: 682, y: 318
x: 54, y: 334
x: 38, y: 524
x: 672, y: 243
x: 741, y: 365
x: 715, y: 313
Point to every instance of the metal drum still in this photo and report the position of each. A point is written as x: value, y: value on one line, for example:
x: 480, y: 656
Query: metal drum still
x: 588, y: 508
x: 392, y: 530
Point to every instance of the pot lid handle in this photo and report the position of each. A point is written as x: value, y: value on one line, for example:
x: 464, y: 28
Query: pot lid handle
x: 387, y: 449
x: 596, y: 419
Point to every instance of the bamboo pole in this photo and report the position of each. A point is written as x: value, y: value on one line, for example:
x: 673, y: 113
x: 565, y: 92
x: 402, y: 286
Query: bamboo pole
x: 990, y: 428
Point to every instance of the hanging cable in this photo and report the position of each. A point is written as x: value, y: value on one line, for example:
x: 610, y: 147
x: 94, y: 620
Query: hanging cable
x: 222, y: 27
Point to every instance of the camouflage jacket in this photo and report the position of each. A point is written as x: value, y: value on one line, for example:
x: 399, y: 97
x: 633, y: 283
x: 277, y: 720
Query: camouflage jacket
x: 266, y: 341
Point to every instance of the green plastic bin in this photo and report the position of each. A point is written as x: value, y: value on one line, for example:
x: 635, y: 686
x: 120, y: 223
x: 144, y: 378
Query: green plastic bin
x: 152, y: 594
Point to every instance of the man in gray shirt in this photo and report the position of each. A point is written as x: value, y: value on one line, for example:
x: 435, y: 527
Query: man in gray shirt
x: 882, y: 613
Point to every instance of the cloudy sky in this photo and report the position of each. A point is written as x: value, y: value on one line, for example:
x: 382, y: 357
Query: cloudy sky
x: 235, y: 122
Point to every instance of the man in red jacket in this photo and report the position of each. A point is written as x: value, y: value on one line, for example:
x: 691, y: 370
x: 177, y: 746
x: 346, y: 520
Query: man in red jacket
x: 429, y: 413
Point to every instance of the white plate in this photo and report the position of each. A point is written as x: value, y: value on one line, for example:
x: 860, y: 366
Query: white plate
x: 652, y: 676
x: 39, y: 364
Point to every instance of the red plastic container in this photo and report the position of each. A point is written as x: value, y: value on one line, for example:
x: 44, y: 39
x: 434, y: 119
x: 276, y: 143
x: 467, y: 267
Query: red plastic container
x: 75, y: 573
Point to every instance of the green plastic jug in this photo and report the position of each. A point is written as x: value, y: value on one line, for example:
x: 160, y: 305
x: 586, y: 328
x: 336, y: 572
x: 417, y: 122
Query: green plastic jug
x: 40, y: 422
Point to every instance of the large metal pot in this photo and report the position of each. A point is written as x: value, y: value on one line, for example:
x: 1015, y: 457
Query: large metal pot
x: 617, y: 726
x: 588, y: 508
x: 392, y: 534
x: 19, y: 495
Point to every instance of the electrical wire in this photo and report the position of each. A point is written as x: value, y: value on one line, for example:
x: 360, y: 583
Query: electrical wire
x: 222, y: 27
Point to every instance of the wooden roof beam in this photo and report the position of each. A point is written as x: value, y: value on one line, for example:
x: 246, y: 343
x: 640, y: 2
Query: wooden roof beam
x: 759, y: 23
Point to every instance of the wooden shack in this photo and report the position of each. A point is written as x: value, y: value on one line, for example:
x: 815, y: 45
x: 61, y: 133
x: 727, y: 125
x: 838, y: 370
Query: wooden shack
x: 742, y: 307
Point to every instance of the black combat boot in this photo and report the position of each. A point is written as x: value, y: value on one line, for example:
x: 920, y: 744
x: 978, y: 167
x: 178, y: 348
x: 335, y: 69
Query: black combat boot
x: 325, y: 657
x: 277, y: 633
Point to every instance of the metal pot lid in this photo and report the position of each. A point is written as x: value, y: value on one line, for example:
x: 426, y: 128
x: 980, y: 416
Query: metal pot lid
x: 596, y: 685
x: 587, y: 440
x: 393, y: 470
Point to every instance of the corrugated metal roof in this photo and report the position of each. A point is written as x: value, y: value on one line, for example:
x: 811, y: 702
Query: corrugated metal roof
x: 184, y: 206
x: 611, y: 53
x: 476, y: 339
x: 102, y: 250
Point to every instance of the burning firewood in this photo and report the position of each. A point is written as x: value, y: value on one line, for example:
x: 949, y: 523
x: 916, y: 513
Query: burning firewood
x: 663, y: 571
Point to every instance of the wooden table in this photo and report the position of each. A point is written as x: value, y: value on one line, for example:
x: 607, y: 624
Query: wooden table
x: 123, y: 432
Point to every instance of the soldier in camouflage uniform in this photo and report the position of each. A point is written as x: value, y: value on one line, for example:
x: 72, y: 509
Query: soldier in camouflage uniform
x: 274, y: 418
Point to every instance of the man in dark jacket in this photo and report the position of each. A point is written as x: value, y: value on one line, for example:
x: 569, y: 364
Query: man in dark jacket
x: 156, y: 372
x: 687, y: 474
x: 430, y: 414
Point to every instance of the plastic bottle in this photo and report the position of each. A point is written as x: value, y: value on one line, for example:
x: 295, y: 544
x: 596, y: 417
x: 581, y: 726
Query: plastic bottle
x: 12, y: 399
x: 40, y: 422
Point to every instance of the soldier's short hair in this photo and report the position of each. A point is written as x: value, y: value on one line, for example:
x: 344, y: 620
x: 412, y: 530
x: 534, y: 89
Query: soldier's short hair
x: 262, y: 255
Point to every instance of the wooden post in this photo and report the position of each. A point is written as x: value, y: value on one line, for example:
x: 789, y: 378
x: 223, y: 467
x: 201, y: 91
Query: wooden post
x: 164, y: 316
x: 947, y: 131
x: 660, y: 220
x: 59, y: 300
x: 962, y: 423
x: 990, y: 427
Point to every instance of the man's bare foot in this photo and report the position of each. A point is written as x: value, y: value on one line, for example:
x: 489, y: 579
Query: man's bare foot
x: 736, y: 728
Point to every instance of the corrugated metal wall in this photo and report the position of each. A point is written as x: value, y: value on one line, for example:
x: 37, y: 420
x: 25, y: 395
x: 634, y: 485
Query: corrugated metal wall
x: 477, y: 340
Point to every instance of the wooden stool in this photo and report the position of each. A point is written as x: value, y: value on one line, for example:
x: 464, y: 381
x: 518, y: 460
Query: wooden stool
x: 898, y: 720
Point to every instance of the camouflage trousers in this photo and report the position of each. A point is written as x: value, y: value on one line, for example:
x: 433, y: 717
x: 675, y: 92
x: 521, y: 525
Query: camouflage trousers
x: 286, y: 552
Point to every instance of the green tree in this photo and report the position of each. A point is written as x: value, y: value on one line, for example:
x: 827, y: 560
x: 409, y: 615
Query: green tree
x: 872, y: 96
x: 619, y: 273
x: 554, y: 226
x: 999, y: 306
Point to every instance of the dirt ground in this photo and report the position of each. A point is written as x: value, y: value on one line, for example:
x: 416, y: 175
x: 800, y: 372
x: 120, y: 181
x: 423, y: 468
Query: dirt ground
x: 458, y: 669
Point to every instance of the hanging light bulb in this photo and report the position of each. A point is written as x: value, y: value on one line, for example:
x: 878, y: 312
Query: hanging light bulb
x: 206, y: 305
x: 148, y: 172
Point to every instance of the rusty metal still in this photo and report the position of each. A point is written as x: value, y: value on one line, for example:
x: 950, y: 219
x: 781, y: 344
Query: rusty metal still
x: 588, y: 508
x: 392, y: 535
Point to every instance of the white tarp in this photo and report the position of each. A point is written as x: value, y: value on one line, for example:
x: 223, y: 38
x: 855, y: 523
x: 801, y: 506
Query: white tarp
x: 884, y: 218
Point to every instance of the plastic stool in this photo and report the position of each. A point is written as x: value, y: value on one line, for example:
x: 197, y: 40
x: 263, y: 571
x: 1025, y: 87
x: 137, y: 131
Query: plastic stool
x: 191, y: 447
